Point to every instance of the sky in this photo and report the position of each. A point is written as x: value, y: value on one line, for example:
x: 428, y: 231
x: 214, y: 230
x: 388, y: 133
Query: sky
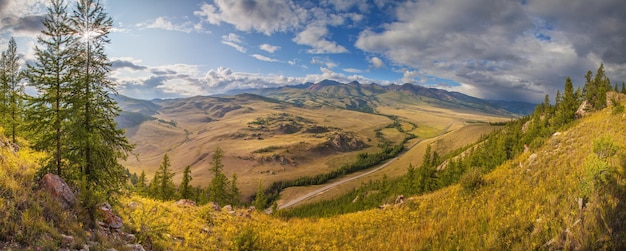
x: 494, y: 49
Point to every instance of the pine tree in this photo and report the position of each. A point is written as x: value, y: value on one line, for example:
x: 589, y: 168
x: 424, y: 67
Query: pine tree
x: 623, y: 87
x: 219, y: 184
x: 162, y: 185
x: 259, y: 198
x: 140, y: 186
x: 185, y: 188
x: 235, y: 195
x: 13, y: 92
x: 51, y: 75
x: 410, y: 186
x: 566, y: 110
x: 96, y: 145
x: 603, y: 85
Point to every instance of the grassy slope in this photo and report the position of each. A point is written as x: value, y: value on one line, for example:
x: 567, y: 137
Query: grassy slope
x: 527, y: 203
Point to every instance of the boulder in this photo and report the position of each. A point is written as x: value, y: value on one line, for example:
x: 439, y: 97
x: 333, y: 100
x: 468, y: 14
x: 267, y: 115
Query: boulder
x: 228, y: 208
x: 110, y: 220
x: 185, y: 203
x: 216, y: 206
x: 56, y: 186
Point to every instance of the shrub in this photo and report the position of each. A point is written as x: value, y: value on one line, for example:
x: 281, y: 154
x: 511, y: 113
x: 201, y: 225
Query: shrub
x: 246, y: 240
x: 472, y: 180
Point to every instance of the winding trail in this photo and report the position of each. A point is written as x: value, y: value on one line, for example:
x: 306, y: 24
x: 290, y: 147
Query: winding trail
x: 323, y: 189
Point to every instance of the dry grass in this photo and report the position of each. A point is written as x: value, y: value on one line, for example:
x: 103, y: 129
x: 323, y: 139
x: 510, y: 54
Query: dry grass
x: 527, y: 203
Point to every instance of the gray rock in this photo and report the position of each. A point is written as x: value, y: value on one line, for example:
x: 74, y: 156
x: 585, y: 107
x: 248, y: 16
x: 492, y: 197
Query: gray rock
x: 56, y: 186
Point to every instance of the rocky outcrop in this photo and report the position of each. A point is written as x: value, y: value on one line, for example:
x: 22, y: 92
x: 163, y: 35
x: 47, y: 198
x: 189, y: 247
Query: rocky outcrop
x: 56, y: 186
x: 109, y: 219
x: 185, y: 203
x: 584, y: 109
x: 341, y: 142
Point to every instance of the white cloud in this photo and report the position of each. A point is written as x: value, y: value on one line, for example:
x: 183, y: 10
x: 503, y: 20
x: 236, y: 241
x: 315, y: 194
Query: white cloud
x: 264, y: 58
x: 409, y: 76
x: 269, y: 48
x: 506, y: 51
x: 165, y: 24
x: 324, y: 61
x: 233, y: 40
x: 377, y: 62
x: 315, y: 36
x: 262, y: 16
x: 352, y: 70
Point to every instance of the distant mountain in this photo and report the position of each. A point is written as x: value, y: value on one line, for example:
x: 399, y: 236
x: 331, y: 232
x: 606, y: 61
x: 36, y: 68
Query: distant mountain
x: 366, y: 97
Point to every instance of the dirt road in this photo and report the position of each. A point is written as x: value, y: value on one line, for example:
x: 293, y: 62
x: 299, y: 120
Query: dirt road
x: 325, y: 188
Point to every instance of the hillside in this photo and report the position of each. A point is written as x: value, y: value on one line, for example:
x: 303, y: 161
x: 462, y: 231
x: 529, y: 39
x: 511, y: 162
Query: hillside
x: 566, y: 194
x: 368, y: 97
x: 298, y: 131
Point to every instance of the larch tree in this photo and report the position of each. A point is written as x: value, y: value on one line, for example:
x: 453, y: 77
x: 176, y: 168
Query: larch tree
x: 218, y: 188
x: 235, y: 194
x: 96, y: 144
x: 51, y: 74
x: 13, y: 91
x: 165, y: 188
x: 259, y: 198
x: 185, y: 188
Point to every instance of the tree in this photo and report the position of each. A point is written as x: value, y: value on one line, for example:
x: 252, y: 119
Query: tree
x: 566, y: 110
x: 13, y: 92
x: 185, y: 188
x: 140, y: 186
x: 96, y: 145
x: 235, y: 195
x: 219, y: 184
x: 623, y: 88
x: 51, y: 75
x: 259, y: 198
x: 162, y: 185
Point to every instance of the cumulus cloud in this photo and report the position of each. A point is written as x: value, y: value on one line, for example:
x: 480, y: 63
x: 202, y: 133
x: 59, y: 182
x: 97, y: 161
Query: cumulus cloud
x: 262, y: 16
x: 264, y: 58
x: 269, y: 48
x: 510, y: 50
x: 22, y: 18
x: 233, y: 40
x: 377, y: 62
x: 182, y: 80
x: 315, y: 36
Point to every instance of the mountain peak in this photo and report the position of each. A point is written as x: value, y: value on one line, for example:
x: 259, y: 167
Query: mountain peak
x: 322, y: 84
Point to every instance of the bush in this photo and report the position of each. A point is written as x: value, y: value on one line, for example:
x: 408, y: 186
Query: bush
x: 246, y: 240
x: 472, y: 180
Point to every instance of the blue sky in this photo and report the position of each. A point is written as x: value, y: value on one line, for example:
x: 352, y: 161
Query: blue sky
x: 495, y: 49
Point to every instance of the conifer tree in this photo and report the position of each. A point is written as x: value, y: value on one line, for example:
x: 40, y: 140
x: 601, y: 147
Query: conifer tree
x: 140, y: 186
x: 623, y: 88
x: 51, y: 75
x: 162, y: 185
x: 185, y: 188
x: 259, y: 198
x: 235, y: 195
x: 96, y: 145
x: 566, y: 109
x: 218, y: 188
x: 13, y: 92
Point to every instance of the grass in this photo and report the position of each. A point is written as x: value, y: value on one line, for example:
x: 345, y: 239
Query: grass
x: 527, y: 203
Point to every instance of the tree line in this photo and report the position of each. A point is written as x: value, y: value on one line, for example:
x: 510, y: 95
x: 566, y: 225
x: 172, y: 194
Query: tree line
x: 220, y: 190
x: 72, y: 115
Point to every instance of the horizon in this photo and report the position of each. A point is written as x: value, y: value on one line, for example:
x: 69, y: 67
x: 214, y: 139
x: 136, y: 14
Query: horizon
x: 494, y: 50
